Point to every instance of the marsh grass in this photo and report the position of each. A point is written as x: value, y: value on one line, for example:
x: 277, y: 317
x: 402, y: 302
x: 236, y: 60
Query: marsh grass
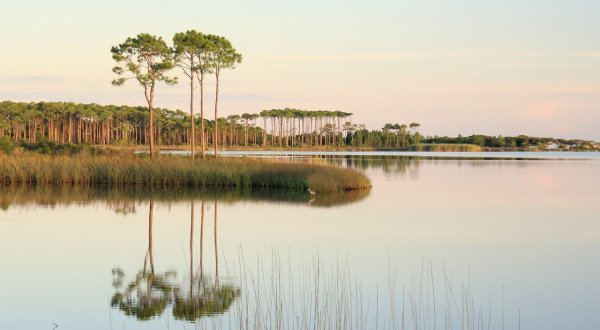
x: 174, y: 171
x: 314, y: 294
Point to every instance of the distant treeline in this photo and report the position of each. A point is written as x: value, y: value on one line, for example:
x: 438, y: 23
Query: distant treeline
x: 75, y: 123
x: 513, y: 142
x: 66, y: 122
x: 395, y: 136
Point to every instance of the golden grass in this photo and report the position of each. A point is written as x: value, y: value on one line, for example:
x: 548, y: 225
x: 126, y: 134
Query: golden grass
x: 174, y: 171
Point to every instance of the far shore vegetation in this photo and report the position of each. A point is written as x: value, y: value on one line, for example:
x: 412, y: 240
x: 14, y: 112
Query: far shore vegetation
x: 66, y: 123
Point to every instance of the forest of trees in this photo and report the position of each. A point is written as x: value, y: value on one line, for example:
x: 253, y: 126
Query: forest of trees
x: 97, y: 124
x: 148, y: 60
x: 66, y: 122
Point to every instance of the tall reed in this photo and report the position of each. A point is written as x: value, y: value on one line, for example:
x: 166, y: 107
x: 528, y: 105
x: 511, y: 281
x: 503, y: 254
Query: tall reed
x: 312, y: 294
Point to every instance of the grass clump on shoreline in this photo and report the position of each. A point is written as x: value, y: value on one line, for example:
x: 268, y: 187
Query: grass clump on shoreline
x: 174, y: 171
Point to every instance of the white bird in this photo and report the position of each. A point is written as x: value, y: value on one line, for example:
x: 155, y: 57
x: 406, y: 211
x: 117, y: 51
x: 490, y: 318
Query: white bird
x: 312, y: 193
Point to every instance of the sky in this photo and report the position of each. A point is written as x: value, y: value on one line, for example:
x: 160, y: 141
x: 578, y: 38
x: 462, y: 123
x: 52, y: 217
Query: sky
x: 456, y: 67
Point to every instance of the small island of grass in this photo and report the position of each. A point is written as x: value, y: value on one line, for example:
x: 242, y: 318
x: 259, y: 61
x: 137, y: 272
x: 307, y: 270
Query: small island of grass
x: 173, y: 171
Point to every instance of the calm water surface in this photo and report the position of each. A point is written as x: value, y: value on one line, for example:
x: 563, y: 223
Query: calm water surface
x: 467, y: 242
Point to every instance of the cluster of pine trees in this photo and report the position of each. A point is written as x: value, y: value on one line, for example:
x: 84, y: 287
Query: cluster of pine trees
x: 67, y: 122
x: 393, y: 136
x: 294, y: 127
x: 147, y: 59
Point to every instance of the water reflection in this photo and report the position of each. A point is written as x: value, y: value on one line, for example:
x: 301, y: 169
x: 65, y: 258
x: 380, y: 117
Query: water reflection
x: 409, y: 166
x: 150, y: 293
x: 126, y: 200
x: 389, y: 165
x: 395, y: 165
x: 205, y: 295
x: 144, y: 297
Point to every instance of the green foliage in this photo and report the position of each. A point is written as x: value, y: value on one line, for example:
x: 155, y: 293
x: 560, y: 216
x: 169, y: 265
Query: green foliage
x: 126, y: 124
x: 446, y: 147
x: 521, y: 142
x: 298, y: 113
x: 52, y: 148
x: 145, y: 297
x: 222, y: 54
x: 146, y: 57
x: 6, y: 145
x: 479, y: 140
x: 191, y: 50
x: 214, y: 299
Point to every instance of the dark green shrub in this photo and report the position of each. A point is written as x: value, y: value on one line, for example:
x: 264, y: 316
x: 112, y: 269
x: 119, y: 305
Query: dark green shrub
x: 6, y: 145
x: 52, y: 148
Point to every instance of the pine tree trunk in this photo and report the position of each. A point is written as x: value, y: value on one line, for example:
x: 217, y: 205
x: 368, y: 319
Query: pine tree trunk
x: 192, y: 139
x: 216, y: 135
x: 203, y: 136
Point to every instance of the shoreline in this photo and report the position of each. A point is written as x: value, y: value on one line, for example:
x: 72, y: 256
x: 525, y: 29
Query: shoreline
x: 442, y: 148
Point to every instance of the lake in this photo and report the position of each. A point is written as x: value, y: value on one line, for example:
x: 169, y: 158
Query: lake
x: 468, y: 241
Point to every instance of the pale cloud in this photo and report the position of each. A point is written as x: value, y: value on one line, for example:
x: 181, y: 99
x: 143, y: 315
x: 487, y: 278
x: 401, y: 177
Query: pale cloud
x: 547, y: 111
x: 578, y: 94
x: 256, y: 97
x: 479, y: 54
x: 42, y: 79
x: 587, y: 54
x: 381, y: 56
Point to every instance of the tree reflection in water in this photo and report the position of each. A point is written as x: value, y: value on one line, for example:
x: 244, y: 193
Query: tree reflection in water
x: 150, y: 293
x: 145, y: 297
x: 205, y: 295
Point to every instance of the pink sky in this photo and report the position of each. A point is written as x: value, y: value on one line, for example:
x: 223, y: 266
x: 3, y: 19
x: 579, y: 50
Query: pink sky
x: 456, y: 68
